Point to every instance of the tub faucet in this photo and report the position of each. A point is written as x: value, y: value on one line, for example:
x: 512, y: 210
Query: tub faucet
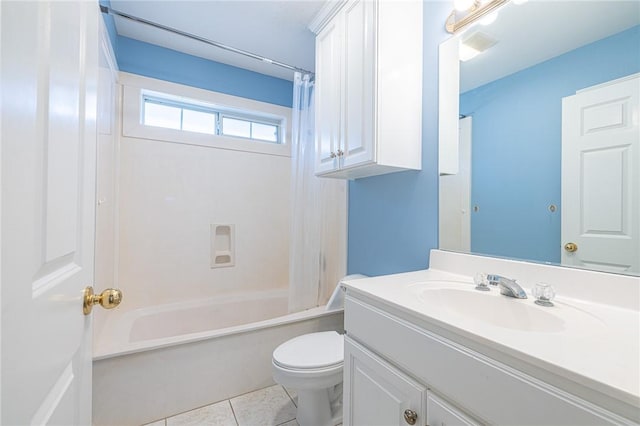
x: 507, y: 286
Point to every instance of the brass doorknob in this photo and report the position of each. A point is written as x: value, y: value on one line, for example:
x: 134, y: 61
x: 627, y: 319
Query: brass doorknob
x: 410, y: 417
x: 108, y: 299
x: 571, y: 247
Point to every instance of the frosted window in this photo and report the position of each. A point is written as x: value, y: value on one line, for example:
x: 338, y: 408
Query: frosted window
x: 198, y: 121
x: 233, y: 127
x: 162, y: 115
x: 264, y: 132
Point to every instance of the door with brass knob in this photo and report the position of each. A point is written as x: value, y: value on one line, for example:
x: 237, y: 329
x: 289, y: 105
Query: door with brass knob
x: 48, y: 207
x: 571, y: 247
x: 108, y: 299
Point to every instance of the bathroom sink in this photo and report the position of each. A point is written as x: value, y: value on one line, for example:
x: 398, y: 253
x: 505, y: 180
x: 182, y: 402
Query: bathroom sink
x: 458, y: 301
x: 494, y: 309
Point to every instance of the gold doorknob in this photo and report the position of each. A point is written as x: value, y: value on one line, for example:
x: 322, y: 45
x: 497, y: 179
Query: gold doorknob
x: 108, y: 299
x: 571, y: 247
x: 410, y: 417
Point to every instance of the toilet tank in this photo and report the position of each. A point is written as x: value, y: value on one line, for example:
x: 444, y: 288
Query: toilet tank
x: 336, y: 302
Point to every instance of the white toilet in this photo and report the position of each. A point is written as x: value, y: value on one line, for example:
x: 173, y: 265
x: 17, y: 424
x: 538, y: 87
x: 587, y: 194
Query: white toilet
x: 311, y: 364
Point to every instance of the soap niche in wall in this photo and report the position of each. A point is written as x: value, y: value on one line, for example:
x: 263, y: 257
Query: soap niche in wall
x: 222, y: 245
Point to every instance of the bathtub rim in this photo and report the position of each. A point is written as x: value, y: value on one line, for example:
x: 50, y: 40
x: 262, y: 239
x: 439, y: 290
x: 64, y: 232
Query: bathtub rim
x: 166, y: 342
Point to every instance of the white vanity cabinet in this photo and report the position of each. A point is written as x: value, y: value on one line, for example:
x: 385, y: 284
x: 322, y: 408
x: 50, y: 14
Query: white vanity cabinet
x: 377, y: 393
x: 442, y: 413
x: 368, y: 98
x: 395, y: 361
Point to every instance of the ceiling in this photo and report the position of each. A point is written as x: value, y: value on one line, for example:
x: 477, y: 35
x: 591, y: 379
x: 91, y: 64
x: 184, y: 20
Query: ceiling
x: 542, y: 29
x: 275, y: 29
x: 278, y: 30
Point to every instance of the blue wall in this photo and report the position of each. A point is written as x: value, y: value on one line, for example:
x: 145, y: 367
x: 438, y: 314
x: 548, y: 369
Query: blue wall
x: 517, y: 146
x: 158, y: 62
x: 393, y: 219
x: 110, y: 24
x: 153, y: 61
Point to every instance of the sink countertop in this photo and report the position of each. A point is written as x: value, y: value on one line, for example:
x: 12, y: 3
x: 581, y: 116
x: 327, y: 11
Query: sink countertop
x: 598, y: 345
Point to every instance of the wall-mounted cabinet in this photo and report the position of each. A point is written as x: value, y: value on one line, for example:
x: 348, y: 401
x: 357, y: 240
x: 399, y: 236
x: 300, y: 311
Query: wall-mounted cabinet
x: 369, y: 89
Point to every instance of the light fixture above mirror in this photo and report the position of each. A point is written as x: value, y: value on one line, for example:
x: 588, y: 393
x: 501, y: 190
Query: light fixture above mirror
x: 466, y: 12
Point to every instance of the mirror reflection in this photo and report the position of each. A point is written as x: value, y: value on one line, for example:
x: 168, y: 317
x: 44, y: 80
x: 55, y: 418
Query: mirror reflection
x: 549, y: 150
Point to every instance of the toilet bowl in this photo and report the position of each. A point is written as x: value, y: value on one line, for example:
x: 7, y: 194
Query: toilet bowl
x: 311, y: 365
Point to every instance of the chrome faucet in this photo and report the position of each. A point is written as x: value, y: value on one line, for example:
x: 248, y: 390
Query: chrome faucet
x: 507, y: 286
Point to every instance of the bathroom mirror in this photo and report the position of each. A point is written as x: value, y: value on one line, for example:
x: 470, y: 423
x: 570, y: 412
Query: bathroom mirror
x: 508, y: 182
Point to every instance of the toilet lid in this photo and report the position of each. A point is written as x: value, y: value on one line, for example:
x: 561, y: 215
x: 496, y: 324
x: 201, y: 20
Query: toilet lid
x: 313, y: 350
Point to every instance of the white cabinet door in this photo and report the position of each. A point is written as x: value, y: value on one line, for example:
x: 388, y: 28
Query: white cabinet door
x: 375, y: 393
x: 358, y: 120
x: 441, y: 413
x: 601, y: 177
x: 49, y: 78
x: 327, y: 97
x: 369, y: 89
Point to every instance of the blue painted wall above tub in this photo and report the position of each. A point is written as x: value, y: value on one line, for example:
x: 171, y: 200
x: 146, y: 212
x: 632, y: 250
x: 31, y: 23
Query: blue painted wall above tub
x: 516, y: 161
x: 153, y: 61
x: 111, y: 25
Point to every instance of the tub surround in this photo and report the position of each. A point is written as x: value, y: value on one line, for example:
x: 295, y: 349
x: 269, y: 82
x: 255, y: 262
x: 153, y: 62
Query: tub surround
x: 587, y: 345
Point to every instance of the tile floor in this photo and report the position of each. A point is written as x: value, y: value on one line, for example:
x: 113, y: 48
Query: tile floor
x: 272, y: 406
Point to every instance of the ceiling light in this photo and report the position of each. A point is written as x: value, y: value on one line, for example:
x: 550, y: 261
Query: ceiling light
x: 463, y: 5
x: 458, y: 19
x: 489, y: 19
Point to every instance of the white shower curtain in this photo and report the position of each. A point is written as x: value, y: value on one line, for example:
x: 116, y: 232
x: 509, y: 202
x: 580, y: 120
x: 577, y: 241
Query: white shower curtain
x: 317, y: 249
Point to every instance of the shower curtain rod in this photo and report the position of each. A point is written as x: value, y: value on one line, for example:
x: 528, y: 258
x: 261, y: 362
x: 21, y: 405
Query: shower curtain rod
x: 108, y: 10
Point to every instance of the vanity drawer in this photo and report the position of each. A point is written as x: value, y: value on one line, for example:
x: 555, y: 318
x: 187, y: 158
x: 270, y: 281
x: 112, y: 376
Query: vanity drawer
x: 485, y: 388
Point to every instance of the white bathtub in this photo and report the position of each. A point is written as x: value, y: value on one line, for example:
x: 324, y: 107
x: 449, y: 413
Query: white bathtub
x: 155, y: 362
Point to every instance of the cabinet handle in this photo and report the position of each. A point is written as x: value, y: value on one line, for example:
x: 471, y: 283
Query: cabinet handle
x: 340, y: 153
x: 410, y: 416
x: 332, y: 155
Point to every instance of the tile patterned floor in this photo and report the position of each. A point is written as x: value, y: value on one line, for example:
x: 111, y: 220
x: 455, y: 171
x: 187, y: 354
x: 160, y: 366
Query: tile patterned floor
x: 272, y: 406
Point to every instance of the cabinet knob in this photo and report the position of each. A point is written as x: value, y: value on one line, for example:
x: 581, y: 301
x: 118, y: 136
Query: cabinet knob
x: 340, y: 153
x: 410, y: 416
x: 332, y: 155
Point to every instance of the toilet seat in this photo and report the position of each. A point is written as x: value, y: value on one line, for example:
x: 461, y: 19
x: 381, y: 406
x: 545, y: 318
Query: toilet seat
x: 322, y: 351
x: 312, y: 365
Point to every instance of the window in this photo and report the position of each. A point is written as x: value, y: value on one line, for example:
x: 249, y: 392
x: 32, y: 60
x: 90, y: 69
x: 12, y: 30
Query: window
x: 249, y: 129
x: 161, y: 111
x: 198, y: 117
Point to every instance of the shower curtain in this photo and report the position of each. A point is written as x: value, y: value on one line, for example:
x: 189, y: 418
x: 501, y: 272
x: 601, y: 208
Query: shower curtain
x: 317, y: 248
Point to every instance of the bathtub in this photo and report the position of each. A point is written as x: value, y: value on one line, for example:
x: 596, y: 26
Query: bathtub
x: 158, y: 361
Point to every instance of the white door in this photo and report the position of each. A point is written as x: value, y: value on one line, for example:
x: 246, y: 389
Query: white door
x: 601, y: 177
x: 327, y: 97
x: 375, y: 393
x: 357, y: 134
x: 49, y: 74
